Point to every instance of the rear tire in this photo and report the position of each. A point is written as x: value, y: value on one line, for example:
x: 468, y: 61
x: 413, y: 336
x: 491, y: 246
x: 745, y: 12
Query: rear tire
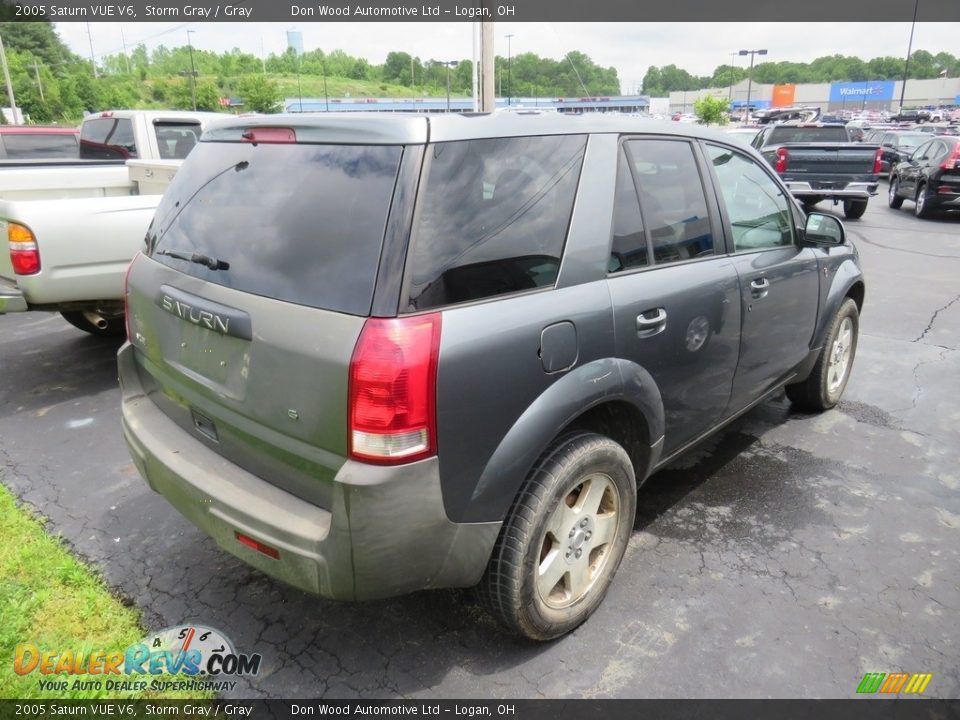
x: 563, y: 539
x: 115, y: 325
x: 854, y: 209
x: 893, y: 194
x: 828, y: 379
x: 921, y: 206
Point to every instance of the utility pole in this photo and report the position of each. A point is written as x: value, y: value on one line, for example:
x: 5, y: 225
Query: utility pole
x: 326, y: 98
x: 413, y: 81
x: 449, y: 64
x: 509, y: 72
x: 123, y: 41
x: 475, y: 66
x: 193, y: 73
x: 733, y: 60
x: 36, y: 72
x: 15, y: 120
x: 488, y: 101
x: 906, y: 65
x: 93, y: 60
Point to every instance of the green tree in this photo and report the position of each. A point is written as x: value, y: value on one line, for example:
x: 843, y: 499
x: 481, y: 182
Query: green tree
x: 711, y: 111
x: 260, y: 93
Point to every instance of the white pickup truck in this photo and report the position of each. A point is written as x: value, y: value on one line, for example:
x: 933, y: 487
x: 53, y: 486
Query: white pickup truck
x: 73, y: 229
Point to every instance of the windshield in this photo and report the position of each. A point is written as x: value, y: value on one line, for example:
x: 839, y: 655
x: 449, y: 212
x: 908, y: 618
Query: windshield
x: 796, y: 134
x: 299, y: 223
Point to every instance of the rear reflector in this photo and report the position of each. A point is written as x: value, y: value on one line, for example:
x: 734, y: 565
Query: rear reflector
x: 126, y: 298
x: 393, y: 390
x: 257, y: 545
x: 271, y: 135
x: 24, y: 254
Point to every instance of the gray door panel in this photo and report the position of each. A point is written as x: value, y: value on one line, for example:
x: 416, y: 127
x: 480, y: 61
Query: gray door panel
x: 682, y: 324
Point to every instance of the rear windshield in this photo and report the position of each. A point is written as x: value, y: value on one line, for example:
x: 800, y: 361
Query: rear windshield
x: 298, y: 223
x: 175, y: 140
x: 23, y: 146
x: 793, y: 134
x: 107, y: 138
x: 911, y: 141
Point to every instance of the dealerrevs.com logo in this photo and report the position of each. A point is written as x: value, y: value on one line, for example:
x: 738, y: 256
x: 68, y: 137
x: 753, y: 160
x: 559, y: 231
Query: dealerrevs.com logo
x: 198, y: 657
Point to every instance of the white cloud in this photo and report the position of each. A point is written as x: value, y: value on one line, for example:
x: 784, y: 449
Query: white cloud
x: 629, y: 47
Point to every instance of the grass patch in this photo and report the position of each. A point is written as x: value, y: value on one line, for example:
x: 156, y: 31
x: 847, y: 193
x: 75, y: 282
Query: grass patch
x: 51, y: 599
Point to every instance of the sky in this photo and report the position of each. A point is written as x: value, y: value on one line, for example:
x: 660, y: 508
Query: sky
x: 629, y: 47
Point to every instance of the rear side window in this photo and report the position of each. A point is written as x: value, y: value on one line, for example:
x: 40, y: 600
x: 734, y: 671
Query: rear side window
x: 797, y: 134
x: 48, y: 145
x: 671, y: 199
x: 298, y: 223
x: 493, y: 218
x: 107, y: 139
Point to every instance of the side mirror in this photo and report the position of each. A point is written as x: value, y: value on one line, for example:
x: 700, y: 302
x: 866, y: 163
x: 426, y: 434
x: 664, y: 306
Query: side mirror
x: 824, y: 230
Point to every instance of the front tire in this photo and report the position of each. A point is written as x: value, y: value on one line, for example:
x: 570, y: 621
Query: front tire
x: 115, y: 325
x: 921, y: 207
x: 828, y: 379
x: 893, y: 194
x: 854, y: 209
x: 563, y: 539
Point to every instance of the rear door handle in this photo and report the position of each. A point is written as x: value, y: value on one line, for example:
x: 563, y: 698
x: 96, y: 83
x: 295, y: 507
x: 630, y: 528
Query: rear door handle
x: 759, y: 287
x: 651, y: 322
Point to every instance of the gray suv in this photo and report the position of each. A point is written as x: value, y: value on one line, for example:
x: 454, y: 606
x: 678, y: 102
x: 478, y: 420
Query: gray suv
x: 375, y: 354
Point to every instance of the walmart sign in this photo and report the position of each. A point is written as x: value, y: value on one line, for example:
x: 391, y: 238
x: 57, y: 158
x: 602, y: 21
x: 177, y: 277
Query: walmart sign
x: 869, y: 91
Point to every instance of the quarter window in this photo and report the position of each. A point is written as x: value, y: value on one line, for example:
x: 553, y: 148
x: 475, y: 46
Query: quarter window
x: 758, y: 209
x: 671, y: 199
x: 493, y: 218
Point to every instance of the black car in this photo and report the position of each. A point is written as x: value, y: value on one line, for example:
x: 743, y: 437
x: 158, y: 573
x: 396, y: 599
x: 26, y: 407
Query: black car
x: 930, y: 177
x: 897, y: 145
x: 917, y: 115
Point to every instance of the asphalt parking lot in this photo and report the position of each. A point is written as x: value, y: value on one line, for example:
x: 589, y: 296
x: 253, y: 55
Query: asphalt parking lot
x: 785, y: 558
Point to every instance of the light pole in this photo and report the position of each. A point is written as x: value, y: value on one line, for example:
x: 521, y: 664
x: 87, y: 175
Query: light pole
x: 509, y: 73
x: 751, y: 53
x: 906, y: 65
x: 193, y: 73
x: 449, y: 64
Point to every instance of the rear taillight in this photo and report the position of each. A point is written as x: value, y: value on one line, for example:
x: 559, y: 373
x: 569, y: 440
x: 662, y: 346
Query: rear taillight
x: 393, y: 390
x: 953, y: 160
x: 876, y: 161
x: 783, y: 156
x: 24, y: 254
x: 126, y: 298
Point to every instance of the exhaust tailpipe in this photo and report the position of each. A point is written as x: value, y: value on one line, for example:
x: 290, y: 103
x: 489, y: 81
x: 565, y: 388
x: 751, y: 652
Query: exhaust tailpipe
x: 95, y: 319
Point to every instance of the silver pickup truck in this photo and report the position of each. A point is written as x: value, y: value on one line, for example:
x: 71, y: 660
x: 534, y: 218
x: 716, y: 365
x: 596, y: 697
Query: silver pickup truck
x: 820, y: 161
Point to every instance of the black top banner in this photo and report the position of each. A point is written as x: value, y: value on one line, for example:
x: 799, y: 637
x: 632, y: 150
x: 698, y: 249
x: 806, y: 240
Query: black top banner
x: 827, y: 11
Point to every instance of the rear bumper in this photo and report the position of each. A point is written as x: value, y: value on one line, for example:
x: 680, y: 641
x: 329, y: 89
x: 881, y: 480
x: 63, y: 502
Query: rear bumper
x: 386, y: 532
x: 11, y: 297
x: 855, y: 190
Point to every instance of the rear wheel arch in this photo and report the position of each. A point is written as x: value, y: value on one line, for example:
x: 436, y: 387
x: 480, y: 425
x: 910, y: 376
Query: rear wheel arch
x: 593, y: 396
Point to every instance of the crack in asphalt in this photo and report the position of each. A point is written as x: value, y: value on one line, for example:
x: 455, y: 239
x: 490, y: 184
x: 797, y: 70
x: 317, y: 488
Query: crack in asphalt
x: 933, y: 319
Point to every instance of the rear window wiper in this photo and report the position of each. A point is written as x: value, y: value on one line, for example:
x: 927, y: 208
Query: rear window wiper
x: 199, y: 258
